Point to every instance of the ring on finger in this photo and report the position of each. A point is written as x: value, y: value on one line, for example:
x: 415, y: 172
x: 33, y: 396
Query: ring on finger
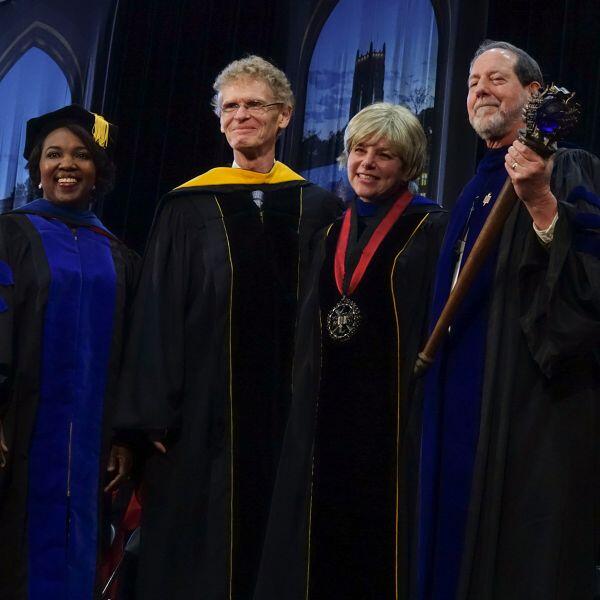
x: 514, y: 166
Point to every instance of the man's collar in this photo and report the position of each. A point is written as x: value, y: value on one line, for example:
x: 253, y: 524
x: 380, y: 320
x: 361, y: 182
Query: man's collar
x: 280, y: 173
x: 234, y: 165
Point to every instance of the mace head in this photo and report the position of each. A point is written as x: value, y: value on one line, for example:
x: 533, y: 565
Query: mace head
x: 550, y: 115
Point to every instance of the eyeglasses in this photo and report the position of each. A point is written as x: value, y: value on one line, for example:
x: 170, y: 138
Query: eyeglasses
x: 254, y: 107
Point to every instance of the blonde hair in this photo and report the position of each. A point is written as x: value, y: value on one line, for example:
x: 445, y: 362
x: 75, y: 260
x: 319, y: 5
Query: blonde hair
x: 398, y: 126
x: 254, y: 67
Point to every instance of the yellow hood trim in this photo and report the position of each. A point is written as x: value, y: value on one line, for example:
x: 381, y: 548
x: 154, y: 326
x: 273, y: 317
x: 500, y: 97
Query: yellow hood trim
x: 232, y: 176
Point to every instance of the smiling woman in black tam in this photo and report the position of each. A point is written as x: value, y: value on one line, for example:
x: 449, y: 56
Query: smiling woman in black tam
x: 63, y: 286
x: 337, y: 527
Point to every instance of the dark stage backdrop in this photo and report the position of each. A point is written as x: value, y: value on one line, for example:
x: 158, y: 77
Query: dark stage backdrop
x: 564, y: 37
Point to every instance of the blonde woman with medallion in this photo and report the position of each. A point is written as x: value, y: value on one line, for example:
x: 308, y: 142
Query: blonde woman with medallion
x: 338, y: 524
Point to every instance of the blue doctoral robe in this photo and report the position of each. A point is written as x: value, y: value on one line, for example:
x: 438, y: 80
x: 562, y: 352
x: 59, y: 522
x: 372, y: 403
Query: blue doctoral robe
x: 498, y: 395
x: 63, y: 294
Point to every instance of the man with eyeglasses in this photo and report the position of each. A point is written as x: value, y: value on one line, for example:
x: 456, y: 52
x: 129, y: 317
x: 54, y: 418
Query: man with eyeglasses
x: 207, y: 370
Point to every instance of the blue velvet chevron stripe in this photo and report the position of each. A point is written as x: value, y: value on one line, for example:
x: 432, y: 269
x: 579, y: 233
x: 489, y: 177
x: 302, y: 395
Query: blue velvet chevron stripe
x: 581, y: 193
x: 66, y: 443
x: 6, y: 274
x: 586, y: 237
x: 6, y: 278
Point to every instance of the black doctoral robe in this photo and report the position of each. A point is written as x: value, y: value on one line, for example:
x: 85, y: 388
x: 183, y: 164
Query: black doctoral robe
x: 533, y: 521
x: 64, y: 284
x: 209, y: 364
x: 338, y: 526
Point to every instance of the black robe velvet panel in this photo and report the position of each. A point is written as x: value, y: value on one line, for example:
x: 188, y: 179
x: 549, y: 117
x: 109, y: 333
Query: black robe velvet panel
x: 344, y: 492
x: 209, y: 362
x: 534, y: 515
x: 22, y: 322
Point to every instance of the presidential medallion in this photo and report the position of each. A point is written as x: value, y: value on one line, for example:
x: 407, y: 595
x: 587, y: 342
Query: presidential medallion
x: 343, y: 320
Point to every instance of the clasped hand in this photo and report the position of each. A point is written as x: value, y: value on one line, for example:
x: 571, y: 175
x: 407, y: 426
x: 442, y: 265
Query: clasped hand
x: 530, y: 176
x: 120, y: 463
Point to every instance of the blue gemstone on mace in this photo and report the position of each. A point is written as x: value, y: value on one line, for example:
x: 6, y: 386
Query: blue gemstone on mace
x: 549, y: 116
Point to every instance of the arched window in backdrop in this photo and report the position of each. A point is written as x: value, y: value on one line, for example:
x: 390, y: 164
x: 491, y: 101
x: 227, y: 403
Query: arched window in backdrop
x: 35, y: 84
x: 368, y: 51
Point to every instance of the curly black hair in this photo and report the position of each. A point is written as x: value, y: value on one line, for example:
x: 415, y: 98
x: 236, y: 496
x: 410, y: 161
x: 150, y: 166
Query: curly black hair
x: 105, y: 168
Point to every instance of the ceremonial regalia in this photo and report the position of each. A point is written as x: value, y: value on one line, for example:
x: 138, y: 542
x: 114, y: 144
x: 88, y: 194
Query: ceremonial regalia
x: 208, y: 367
x: 343, y: 497
x: 510, y: 461
x: 64, y: 281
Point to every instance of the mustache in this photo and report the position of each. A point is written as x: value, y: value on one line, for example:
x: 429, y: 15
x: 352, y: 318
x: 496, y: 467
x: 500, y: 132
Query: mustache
x: 484, y: 104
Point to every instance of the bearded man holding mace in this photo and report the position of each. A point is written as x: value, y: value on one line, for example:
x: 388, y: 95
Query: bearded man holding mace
x: 509, y: 499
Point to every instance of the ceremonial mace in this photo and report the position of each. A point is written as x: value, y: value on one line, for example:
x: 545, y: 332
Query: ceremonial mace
x: 549, y: 115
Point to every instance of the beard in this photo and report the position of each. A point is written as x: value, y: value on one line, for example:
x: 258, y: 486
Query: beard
x: 499, y: 123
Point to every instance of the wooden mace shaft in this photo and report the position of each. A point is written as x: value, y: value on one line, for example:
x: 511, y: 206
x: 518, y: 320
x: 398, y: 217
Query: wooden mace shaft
x: 490, y: 232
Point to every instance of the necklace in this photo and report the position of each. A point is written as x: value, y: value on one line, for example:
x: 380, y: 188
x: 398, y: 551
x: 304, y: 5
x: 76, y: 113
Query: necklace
x: 344, y: 318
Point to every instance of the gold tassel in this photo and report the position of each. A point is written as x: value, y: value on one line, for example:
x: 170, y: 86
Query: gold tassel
x: 100, y: 131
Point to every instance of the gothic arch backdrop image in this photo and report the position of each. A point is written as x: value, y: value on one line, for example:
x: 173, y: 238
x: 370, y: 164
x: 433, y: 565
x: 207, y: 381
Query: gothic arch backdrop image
x: 367, y: 51
x: 50, y: 91
x: 46, y: 62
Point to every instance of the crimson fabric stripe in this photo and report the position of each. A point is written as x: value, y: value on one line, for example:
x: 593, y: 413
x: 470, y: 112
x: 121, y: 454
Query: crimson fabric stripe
x: 369, y: 250
x: 66, y: 442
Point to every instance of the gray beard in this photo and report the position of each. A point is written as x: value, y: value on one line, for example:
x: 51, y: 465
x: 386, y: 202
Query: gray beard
x: 496, y: 126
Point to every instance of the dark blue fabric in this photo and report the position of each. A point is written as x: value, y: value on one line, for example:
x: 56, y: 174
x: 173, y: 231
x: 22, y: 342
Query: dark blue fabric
x: 421, y: 200
x: 587, y: 244
x: 365, y: 209
x: 73, y: 215
x: 368, y: 209
x: 66, y: 442
x: 6, y: 278
x: 587, y: 220
x: 6, y: 274
x: 453, y: 386
x: 586, y: 241
x: 582, y: 193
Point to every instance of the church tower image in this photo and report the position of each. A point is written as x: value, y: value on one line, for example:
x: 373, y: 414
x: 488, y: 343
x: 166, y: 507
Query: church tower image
x: 367, y: 85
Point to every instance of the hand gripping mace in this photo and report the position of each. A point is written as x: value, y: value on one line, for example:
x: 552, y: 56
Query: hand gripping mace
x: 549, y: 115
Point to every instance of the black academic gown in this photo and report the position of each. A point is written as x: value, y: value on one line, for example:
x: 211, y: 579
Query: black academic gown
x: 208, y: 365
x: 533, y: 523
x: 63, y: 296
x: 344, y: 491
